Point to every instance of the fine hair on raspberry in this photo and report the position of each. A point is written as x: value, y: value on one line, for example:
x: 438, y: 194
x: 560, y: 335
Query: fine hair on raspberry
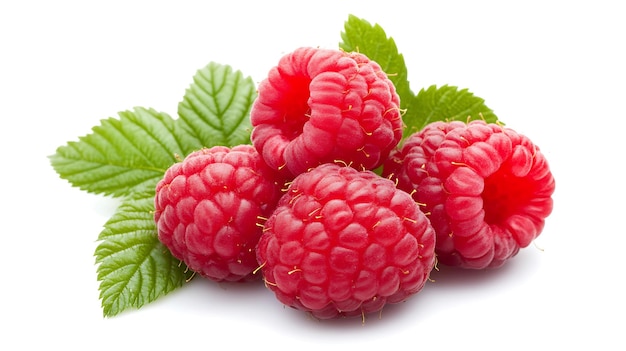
x: 323, y: 105
x: 486, y: 189
x: 207, y: 208
x: 344, y: 243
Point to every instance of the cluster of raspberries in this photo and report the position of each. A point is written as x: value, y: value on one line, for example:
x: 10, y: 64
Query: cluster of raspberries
x: 302, y: 208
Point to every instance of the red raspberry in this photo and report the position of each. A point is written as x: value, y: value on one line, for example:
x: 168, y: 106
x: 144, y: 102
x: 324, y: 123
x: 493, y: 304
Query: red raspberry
x: 486, y: 189
x: 206, y: 210
x: 319, y: 106
x: 344, y: 242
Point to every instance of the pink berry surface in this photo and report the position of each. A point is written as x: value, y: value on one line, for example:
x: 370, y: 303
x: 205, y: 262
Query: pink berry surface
x: 344, y: 242
x: 323, y: 105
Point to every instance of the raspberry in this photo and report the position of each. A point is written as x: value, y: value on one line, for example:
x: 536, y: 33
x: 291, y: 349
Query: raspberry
x: 486, y: 189
x: 344, y: 242
x: 319, y: 106
x: 206, y: 210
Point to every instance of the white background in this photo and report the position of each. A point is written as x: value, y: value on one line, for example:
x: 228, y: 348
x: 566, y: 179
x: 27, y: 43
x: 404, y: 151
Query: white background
x: 551, y: 70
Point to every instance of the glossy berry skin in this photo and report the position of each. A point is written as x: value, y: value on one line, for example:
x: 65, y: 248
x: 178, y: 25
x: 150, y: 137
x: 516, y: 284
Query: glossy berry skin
x: 344, y: 242
x: 486, y: 189
x: 320, y: 106
x: 207, y: 209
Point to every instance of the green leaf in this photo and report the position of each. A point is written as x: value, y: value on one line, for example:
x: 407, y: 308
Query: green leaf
x: 446, y: 103
x: 429, y: 105
x: 123, y: 154
x: 216, y: 107
x: 372, y: 41
x: 134, y: 267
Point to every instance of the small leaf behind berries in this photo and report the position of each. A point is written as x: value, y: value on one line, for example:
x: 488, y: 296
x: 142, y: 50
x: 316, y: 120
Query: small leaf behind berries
x: 134, y: 267
x: 446, y: 103
x: 122, y: 154
x: 216, y: 107
x: 372, y: 41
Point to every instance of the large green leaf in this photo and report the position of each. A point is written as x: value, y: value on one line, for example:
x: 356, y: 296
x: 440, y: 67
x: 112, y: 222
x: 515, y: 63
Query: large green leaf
x: 429, y: 105
x: 134, y: 267
x: 446, y: 103
x: 123, y: 153
x: 372, y: 41
x: 216, y: 106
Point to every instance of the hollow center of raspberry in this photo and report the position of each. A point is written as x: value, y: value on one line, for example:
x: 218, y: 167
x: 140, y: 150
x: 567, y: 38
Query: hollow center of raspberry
x: 295, y: 106
x: 504, y: 195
